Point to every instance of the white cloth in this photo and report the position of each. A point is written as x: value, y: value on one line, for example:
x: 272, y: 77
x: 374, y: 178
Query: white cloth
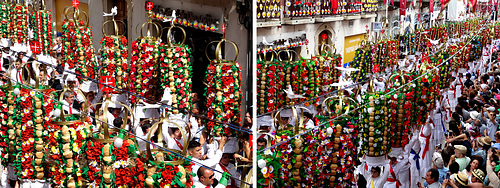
x: 25, y: 183
x: 426, y: 161
x: 415, y: 145
x: 309, y: 124
x: 233, y: 171
x: 172, y: 143
x: 434, y: 185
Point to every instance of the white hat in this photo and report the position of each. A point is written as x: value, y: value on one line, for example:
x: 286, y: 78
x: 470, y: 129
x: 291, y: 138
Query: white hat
x: 437, y: 159
x: 4, y: 42
x: 491, y: 109
x: 286, y: 113
x: 145, y: 112
x: 396, y: 152
x: 474, y: 114
x: 71, y: 77
x: 88, y: 86
x: 231, y: 146
x: 411, y: 57
x: 265, y: 121
x: 176, y: 119
x: 117, y: 99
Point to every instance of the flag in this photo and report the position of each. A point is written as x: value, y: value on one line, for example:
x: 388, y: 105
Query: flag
x: 109, y: 81
x: 431, y: 6
x: 402, y: 8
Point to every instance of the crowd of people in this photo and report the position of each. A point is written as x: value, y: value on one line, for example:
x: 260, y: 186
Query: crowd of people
x: 212, y: 155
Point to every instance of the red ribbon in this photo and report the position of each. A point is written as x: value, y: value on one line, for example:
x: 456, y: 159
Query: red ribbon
x: 398, y: 183
x: 427, y: 138
x: 179, y: 144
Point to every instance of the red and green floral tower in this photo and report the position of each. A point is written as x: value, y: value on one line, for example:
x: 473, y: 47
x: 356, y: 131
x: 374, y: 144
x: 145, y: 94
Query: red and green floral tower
x: 223, y: 93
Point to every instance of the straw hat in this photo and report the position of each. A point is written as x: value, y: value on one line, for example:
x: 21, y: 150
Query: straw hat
x: 484, y: 141
x: 462, y: 179
x: 479, y: 174
x: 462, y: 149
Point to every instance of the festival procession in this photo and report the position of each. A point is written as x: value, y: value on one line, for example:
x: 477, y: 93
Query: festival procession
x: 125, y: 93
x: 378, y: 94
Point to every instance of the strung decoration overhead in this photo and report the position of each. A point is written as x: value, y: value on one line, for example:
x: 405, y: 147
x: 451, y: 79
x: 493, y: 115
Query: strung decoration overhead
x: 223, y: 91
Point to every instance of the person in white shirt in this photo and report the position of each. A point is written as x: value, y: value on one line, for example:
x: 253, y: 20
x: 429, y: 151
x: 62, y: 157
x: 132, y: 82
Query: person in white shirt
x: 68, y: 103
x: 210, y: 160
x: 379, y: 84
x: 308, y: 122
x: 225, y: 164
x: 16, y: 74
x: 374, y: 176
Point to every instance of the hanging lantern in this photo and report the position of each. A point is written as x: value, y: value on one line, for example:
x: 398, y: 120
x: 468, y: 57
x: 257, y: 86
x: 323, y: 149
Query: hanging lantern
x: 175, y: 72
x: 114, y: 58
x: 223, y: 92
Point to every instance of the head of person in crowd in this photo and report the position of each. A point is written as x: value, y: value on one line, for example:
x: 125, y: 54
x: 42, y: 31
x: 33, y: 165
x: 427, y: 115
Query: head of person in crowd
x: 226, y: 158
x: 475, y: 163
x: 115, y: 111
x: 261, y: 143
x: 497, y: 137
x: 307, y: 116
x: 454, y: 127
x: 454, y: 167
x: 248, y: 119
x: 69, y: 97
x: 484, y: 143
x: 194, y: 149
x: 432, y: 176
x: 205, y: 176
x: 176, y: 133
x: 447, y: 153
x: 375, y: 171
x: 146, y: 127
x: 468, y: 76
x: 195, y: 109
x: 118, y: 122
x: 59, y: 39
x: 17, y: 63
x: 456, y: 116
x: 265, y: 128
x: 437, y: 161
x: 460, y: 151
x: 477, y: 176
x: 3, y: 76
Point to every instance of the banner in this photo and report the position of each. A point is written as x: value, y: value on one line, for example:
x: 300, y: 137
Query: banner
x: 351, y: 43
